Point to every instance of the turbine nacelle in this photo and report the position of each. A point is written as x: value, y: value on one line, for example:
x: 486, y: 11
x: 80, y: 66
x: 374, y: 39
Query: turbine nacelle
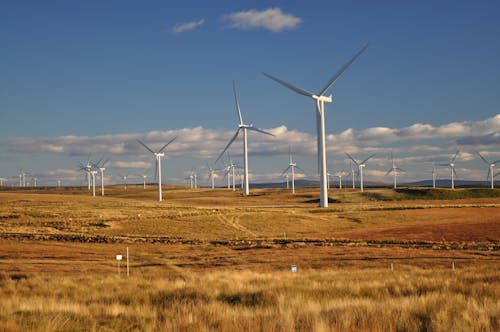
x: 325, y: 99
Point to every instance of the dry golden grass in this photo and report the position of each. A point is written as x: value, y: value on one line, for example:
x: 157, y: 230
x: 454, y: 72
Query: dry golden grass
x: 410, y: 299
x: 208, y: 260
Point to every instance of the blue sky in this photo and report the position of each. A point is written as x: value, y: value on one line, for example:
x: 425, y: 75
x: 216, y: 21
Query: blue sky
x: 91, y: 76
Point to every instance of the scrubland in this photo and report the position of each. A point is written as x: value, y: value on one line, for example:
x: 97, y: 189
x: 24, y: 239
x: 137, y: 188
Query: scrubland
x: 408, y: 260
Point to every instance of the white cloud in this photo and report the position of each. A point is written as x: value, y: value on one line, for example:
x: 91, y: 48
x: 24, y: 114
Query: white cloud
x: 188, y: 26
x: 272, y: 19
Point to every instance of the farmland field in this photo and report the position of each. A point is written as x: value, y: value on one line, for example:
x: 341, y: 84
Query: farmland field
x: 385, y: 260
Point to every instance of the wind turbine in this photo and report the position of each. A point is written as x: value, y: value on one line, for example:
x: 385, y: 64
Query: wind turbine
x: 101, y: 169
x: 242, y: 127
x: 352, y: 176
x: 434, y: 173
x: 394, y: 170
x: 320, y: 100
x: 451, y: 165
x: 491, y: 166
x: 291, y: 167
x: 211, y: 175
x: 158, y: 155
x: 144, y: 176
x: 360, y: 165
x: 340, y: 175
x: 124, y: 178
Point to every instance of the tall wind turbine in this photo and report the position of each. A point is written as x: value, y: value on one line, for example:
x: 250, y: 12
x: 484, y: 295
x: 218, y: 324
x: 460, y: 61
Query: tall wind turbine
x: 291, y: 167
x: 491, y: 166
x: 320, y: 100
x: 360, y: 165
x: 451, y: 165
x: 242, y: 127
x: 158, y: 155
x: 394, y: 170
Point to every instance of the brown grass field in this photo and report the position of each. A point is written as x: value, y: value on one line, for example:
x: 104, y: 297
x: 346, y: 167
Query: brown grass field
x: 212, y: 260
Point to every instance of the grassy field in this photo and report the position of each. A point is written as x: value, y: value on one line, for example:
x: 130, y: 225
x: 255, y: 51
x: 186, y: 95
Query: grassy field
x: 407, y: 260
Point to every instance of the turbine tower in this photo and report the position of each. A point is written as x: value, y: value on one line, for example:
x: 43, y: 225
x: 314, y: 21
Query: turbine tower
x: 434, y: 173
x: 101, y: 169
x: 242, y: 127
x: 451, y: 165
x: 395, y: 171
x: 320, y: 100
x: 491, y: 167
x: 360, y: 165
x: 158, y: 155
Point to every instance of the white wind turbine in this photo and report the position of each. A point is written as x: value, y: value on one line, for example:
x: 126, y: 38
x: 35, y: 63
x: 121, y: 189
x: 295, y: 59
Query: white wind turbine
x: 353, y: 173
x: 321, y: 99
x: 158, y: 155
x: 360, y: 165
x: 101, y: 169
x: 434, y: 173
x: 491, y: 167
x: 340, y: 175
x: 212, y: 173
x: 451, y: 165
x: 144, y: 176
x: 291, y: 167
x: 394, y: 170
x: 242, y: 127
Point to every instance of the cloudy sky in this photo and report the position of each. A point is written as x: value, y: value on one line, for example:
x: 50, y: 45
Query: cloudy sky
x: 91, y: 77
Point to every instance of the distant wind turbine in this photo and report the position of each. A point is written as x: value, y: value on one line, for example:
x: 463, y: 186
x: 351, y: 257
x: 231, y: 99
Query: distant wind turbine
x: 340, y: 175
x: 360, y: 165
x: 394, y: 170
x: 491, y: 167
x: 291, y: 167
x: 320, y: 100
x: 212, y: 172
x: 451, y: 165
x: 158, y: 155
x: 242, y: 127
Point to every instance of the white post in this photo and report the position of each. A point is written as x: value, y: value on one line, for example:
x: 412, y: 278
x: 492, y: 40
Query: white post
x: 128, y: 270
x: 93, y: 182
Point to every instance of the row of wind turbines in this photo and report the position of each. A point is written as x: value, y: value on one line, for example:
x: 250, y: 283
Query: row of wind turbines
x: 319, y: 99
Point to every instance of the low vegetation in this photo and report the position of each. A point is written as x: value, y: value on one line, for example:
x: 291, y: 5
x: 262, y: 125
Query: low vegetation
x: 410, y: 299
x: 203, y: 260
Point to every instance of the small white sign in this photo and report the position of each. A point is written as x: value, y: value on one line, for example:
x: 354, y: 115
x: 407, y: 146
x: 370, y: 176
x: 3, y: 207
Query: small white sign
x: 294, y: 268
x: 118, y: 257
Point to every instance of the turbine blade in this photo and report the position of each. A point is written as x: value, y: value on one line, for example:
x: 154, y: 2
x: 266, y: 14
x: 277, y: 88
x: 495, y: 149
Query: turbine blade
x: 156, y: 171
x: 488, y: 175
x: 454, y: 157
x: 447, y: 165
x: 496, y: 162
x: 228, y: 145
x: 286, y: 170
x: 144, y: 145
x: 364, y: 161
x: 260, y: 131
x: 173, y: 139
x: 237, y: 104
x: 341, y: 71
x: 291, y: 87
x: 389, y: 171
x: 300, y: 169
x: 350, y: 157
x: 484, y: 159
